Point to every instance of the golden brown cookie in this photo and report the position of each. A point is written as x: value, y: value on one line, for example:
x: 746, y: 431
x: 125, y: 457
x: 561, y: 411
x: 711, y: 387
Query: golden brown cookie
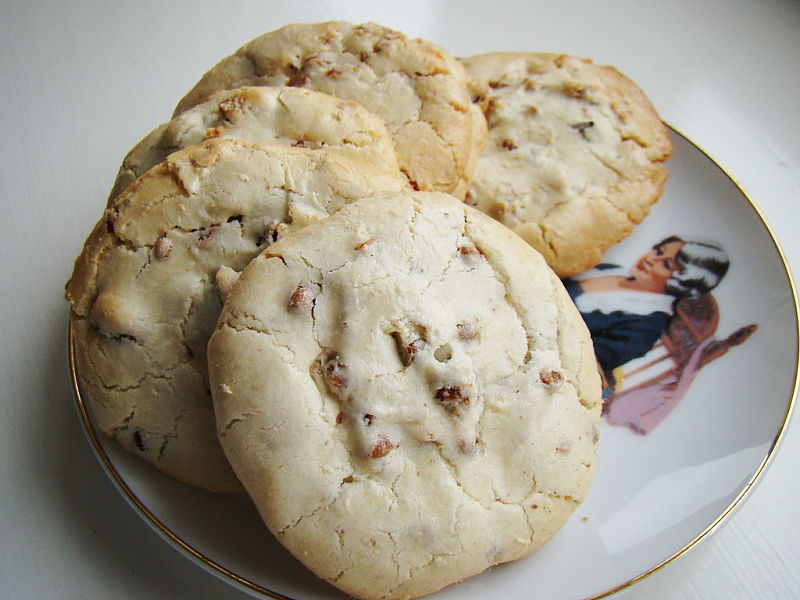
x: 287, y: 116
x: 145, y: 292
x: 416, y: 87
x: 407, y: 393
x: 575, y: 154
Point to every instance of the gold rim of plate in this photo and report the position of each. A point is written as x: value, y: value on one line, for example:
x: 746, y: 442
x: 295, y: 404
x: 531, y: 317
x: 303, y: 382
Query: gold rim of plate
x: 220, y: 570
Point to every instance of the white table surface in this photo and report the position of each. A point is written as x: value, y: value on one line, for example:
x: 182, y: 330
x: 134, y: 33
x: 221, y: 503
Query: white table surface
x: 82, y: 81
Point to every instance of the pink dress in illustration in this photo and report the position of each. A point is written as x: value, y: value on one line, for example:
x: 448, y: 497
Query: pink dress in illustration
x: 660, y: 313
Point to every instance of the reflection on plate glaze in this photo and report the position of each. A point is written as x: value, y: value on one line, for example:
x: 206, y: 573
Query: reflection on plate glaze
x: 636, y: 521
x: 654, y: 327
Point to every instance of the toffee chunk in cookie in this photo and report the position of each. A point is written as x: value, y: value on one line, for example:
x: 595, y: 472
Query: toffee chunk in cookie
x: 288, y: 116
x: 145, y: 291
x: 575, y: 154
x: 416, y: 87
x: 407, y: 393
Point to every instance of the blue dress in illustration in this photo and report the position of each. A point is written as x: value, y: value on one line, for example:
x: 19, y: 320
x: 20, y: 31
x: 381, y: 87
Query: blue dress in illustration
x: 653, y: 327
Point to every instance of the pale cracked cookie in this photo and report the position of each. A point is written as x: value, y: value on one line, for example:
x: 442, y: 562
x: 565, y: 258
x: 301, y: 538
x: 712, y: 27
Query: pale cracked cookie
x: 144, y: 293
x: 407, y: 393
x: 287, y: 116
x: 575, y: 154
x: 416, y: 87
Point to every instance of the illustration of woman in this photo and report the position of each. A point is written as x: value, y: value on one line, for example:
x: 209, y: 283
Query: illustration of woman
x: 627, y: 312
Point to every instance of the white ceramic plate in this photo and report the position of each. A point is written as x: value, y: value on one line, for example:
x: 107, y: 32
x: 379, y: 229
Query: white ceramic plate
x: 655, y: 495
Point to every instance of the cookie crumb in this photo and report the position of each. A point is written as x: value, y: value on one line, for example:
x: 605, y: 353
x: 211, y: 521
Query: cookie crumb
x: 272, y: 232
x: 231, y: 109
x: 163, y: 248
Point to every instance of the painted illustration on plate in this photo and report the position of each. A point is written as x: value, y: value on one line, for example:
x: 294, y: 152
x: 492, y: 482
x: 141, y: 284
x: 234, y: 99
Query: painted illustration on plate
x: 654, y: 326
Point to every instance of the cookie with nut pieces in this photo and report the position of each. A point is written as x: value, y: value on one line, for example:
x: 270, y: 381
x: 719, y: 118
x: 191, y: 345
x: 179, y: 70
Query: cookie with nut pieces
x: 575, y: 157
x: 416, y: 87
x: 288, y: 116
x: 407, y: 393
x: 146, y: 290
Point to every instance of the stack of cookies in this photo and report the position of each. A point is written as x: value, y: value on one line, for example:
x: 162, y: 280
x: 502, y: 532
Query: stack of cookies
x: 331, y: 281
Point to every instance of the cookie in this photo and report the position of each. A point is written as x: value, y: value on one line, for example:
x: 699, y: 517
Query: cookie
x: 575, y: 154
x: 289, y: 116
x: 407, y: 393
x: 416, y: 87
x: 144, y: 297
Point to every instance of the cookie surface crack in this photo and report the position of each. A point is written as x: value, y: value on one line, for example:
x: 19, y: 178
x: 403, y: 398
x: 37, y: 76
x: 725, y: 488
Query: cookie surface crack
x: 310, y: 515
x: 502, y: 278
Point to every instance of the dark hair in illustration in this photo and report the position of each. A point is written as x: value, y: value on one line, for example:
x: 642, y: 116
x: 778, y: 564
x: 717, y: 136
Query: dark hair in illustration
x: 702, y: 267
